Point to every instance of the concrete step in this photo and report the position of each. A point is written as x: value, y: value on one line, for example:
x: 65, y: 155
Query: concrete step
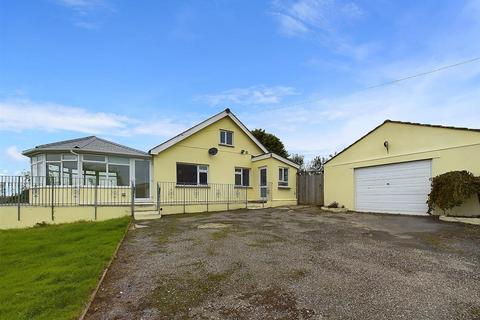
x: 147, y: 215
x: 255, y: 206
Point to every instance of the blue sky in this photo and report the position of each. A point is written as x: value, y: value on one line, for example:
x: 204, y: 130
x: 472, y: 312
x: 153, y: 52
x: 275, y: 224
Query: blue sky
x: 138, y: 72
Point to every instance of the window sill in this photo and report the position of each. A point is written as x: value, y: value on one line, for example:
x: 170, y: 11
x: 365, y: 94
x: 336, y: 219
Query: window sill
x: 226, y: 145
x: 284, y: 187
x: 243, y: 187
x: 192, y: 186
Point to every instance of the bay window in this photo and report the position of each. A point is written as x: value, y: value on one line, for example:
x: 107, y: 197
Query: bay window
x: 192, y: 174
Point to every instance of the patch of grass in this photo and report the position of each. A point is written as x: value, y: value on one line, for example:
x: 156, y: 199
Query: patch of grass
x: 176, y: 296
x: 49, y: 272
x: 220, y: 234
x: 433, y: 240
x: 475, y: 311
x: 265, y: 240
x: 168, y: 230
x: 297, y: 274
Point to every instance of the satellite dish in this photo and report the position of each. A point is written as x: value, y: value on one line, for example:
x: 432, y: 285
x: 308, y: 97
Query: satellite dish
x: 212, y: 151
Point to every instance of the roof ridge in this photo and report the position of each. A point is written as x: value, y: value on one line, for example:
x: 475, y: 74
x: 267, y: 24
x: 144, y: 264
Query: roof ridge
x: 63, y: 141
x: 401, y: 122
x: 185, y: 131
x: 431, y: 125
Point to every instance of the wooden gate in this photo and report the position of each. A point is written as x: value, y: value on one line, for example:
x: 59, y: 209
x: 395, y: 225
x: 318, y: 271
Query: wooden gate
x: 310, y: 188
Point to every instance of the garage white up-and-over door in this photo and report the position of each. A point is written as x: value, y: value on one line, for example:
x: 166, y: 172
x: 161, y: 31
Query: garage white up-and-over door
x: 394, y: 188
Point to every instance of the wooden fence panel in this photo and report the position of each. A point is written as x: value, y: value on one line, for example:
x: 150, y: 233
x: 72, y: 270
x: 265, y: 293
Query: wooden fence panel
x: 310, y: 188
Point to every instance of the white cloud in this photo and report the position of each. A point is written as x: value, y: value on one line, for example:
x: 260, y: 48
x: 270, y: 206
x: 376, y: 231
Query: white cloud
x: 21, y: 115
x: 88, y: 13
x: 256, y: 95
x: 13, y: 154
x: 323, y: 21
x: 450, y: 97
x: 82, y: 6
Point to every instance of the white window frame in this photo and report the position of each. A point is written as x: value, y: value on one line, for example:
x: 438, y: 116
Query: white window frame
x: 282, y: 182
x: 61, y: 161
x: 225, y: 133
x: 38, y: 162
x: 241, y: 177
x: 107, y: 162
x: 199, y: 170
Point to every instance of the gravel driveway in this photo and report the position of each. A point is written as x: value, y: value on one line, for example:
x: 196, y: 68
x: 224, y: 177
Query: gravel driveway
x: 299, y: 263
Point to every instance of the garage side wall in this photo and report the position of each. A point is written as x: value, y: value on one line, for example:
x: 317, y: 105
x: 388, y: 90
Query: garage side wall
x: 449, y: 150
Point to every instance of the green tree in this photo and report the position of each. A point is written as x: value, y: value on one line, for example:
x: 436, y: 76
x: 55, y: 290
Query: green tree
x: 317, y: 163
x: 298, y: 159
x: 271, y: 142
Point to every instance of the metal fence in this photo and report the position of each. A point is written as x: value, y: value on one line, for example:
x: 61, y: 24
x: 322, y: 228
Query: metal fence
x: 49, y: 191
x: 173, y: 194
x: 22, y: 191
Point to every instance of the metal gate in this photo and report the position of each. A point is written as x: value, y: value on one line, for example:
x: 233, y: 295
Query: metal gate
x: 310, y: 187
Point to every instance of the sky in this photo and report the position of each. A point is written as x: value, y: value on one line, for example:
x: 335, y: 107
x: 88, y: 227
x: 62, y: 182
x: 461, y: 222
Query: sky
x: 139, y: 72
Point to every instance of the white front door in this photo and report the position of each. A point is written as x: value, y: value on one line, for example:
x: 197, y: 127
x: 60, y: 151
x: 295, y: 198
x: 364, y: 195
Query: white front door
x: 142, y: 179
x: 401, y: 188
x: 263, y: 183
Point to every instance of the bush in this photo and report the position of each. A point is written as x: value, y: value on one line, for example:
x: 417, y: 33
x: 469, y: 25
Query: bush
x: 451, y: 189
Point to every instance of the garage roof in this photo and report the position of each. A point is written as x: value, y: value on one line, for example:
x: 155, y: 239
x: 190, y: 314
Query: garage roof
x: 407, y: 123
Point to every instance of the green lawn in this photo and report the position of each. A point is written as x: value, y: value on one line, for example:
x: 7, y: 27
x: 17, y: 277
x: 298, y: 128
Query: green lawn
x: 49, y: 272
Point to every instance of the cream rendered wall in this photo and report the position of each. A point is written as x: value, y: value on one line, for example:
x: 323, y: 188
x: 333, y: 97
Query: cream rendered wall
x: 278, y: 196
x: 31, y: 215
x: 194, y: 149
x: 449, y: 150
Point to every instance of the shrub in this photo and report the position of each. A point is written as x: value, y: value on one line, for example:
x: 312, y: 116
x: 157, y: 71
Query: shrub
x: 451, y: 189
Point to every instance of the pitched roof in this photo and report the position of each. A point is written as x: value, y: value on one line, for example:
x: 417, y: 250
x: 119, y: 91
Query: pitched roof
x: 407, y: 123
x: 88, y: 144
x: 225, y: 113
x: 275, y: 156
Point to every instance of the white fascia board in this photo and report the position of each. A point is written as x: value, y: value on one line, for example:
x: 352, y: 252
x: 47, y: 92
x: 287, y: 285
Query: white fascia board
x: 202, y: 125
x: 276, y: 156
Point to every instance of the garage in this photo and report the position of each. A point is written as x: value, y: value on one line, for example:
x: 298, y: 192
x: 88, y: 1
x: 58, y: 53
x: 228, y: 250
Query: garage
x: 400, y: 188
x: 388, y: 169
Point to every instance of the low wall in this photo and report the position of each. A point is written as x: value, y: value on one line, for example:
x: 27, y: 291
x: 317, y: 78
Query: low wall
x: 198, y: 208
x: 31, y: 215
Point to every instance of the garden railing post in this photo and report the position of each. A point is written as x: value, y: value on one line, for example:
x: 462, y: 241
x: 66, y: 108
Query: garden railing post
x: 132, y: 199
x: 208, y: 189
x: 159, y: 192
x: 52, y: 182
x: 228, y: 197
x: 18, y: 200
x: 184, y: 197
x: 95, y: 199
x: 246, y: 198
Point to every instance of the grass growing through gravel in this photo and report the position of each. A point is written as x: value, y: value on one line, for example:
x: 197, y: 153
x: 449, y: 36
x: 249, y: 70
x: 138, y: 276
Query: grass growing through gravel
x: 176, y: 295
x: 220, y: 234
x: 49, y: 272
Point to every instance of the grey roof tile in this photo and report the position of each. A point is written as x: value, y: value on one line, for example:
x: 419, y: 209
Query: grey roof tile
x: 88, y: 144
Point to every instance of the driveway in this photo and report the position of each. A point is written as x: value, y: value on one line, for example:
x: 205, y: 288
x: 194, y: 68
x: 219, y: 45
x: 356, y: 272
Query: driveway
x: 299, y: 263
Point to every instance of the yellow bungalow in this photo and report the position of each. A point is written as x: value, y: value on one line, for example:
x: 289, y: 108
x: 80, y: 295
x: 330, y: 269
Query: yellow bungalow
x: 216, y: 165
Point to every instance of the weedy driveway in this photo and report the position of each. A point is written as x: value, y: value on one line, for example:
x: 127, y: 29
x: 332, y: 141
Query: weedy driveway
x: 298, y: 263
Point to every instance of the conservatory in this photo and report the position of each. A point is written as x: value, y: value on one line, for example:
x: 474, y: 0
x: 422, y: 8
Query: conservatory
x: 89, y: 169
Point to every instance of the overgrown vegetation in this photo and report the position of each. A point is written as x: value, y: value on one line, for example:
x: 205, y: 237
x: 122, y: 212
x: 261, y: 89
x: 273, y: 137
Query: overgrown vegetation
x: 48, y: 272
x: 452, y: 189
